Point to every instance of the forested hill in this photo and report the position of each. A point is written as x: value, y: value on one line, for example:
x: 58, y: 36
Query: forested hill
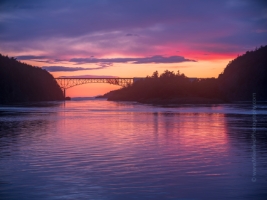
x: 20, y: 82
x: 245, y: 75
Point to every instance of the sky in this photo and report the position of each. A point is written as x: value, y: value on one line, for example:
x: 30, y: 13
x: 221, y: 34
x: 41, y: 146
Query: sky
x: 130, y: 38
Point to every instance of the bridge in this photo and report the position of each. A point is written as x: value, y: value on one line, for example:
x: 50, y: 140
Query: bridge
x: 66, y: 83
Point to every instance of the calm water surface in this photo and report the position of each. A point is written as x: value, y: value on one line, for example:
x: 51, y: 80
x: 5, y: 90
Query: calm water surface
x: 96, y: 149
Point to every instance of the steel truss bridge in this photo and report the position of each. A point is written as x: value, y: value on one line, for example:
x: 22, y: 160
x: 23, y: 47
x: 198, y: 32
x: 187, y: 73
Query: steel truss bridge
x: 66, y: 83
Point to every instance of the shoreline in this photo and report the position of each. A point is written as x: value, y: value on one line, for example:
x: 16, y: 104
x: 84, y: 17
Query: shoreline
x: 174, y: 101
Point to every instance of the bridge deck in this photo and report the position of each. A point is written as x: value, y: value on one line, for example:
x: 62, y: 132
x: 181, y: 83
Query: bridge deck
x: 66, y: 83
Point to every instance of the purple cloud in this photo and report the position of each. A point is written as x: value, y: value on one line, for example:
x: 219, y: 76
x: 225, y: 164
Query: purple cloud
x: 70, y: 69
x: 153, y: 59
x: 30, y: 57
x: 89, y: 76
x: 108, y: 62
x: 104, y: 64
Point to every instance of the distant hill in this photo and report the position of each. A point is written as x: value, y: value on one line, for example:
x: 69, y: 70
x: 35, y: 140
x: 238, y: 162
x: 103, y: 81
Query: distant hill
x: 20, y: 82
x: 243, y: 76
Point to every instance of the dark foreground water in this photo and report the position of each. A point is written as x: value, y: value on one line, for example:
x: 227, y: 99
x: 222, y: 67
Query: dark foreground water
x: 97, y: 149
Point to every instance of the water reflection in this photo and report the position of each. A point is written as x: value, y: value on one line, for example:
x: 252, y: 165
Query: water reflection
x: 107, y: 150
x: 25, y: 124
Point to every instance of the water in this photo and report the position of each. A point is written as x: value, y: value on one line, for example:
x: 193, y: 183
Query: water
x: 96, y: 149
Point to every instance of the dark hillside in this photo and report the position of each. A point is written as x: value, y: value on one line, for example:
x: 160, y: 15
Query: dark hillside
x: 20, y: 82
x: 245, y: 75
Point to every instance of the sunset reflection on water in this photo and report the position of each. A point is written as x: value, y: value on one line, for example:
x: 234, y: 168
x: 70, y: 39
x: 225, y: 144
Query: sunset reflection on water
x: 98, y: 149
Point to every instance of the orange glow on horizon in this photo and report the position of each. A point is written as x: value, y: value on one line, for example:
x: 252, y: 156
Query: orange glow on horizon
x: 203, y: 68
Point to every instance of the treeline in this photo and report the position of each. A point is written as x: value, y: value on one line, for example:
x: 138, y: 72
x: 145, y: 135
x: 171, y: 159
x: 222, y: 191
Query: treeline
x: 168, y: 86
x: 243, y: 76
x: 20, y: 82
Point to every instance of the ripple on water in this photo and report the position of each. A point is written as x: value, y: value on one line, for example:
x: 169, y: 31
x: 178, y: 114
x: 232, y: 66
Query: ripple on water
x: 98, y: 149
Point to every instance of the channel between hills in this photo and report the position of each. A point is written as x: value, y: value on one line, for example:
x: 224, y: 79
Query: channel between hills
x: 243, y: 79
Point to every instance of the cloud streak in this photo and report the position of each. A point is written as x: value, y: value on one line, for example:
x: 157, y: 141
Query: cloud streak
x: 69, y: 69
x: 157, y: 59
x: 30, y: 57
x: 89, y: 76
x: 108, y: 62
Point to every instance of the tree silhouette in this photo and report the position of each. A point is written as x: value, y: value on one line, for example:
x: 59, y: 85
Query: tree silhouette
x: 20, y: 82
